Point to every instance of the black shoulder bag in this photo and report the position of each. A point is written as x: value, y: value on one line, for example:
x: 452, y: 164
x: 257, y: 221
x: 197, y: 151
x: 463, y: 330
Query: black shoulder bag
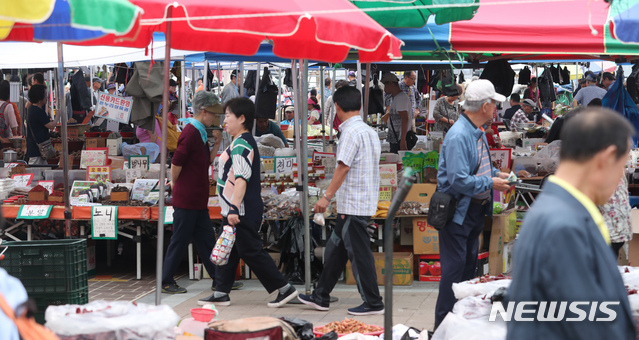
x: 411, y: 136
x: 442, y: 207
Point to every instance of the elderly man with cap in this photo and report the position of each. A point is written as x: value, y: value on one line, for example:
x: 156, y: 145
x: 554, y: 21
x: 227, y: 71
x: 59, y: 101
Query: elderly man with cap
x: 289, y: 111
x: 190, y: 183
x: 588, y: 93
x: 95, y: 92
x: 521, y: 116
x: 352, y: 78
x: 230, y: 90
x: 400, y: 113
x: 466, y: 172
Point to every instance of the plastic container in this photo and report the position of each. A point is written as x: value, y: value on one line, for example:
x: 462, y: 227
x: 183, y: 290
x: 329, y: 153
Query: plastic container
x: 104, y: 134
x: 127, y: 134
x: 203, y: 314
x: 91, y: 134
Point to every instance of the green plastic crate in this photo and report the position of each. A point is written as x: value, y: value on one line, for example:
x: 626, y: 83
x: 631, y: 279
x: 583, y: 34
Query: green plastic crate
x: 44, y: 300
x: 45, y: 267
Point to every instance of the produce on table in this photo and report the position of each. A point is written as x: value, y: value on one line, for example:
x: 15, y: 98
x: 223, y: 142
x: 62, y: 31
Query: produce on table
x: 348, y: 326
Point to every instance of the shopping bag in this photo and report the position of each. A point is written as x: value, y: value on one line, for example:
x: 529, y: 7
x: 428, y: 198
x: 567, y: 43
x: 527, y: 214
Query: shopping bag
x: 222, y: 250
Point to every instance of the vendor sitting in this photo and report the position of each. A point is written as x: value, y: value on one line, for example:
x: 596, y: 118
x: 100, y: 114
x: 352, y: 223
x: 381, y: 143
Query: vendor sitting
x: 265, y: 126
x: 290, y: 116
x: 521, y: 116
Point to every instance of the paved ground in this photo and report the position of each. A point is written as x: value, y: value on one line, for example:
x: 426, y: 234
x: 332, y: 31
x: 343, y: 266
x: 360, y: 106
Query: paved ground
x: 412, y: 305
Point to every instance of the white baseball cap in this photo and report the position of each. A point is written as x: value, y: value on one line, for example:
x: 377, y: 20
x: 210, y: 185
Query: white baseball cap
x: 482, y: 89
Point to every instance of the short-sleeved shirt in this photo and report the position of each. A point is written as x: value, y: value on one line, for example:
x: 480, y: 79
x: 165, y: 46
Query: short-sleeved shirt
x: 518, y: 118
x: 241, y: 160
x: 191, y: 189
x: 229, y: 92
x: 399, y: 103
x: 359, y: 149
x: 588, y: 93
x: 37, y: 132
x: 9, y: 117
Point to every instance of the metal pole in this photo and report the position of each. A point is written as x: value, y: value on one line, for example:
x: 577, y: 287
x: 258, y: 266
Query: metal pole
x: 322, y: 106
x: 367, y: 90
x: 298, y: 114
x: 330, y: 128
x: 279, y: 97
x: 304, y: 178
x: 165, y: 114
x: 65, y: 143
x: 359, y: 87
x: 205, y: 77
x: 257, y: 89
x: 219, y: 80
x: 240, y: 79
x: 183, y: 88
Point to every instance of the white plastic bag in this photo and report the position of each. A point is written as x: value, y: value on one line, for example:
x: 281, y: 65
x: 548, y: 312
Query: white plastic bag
x: 454, y: 327
x: 319, y: 219
x: 473, y: 307
x: 119, y: 320
x: 222, y: 250
x: 471, y: 288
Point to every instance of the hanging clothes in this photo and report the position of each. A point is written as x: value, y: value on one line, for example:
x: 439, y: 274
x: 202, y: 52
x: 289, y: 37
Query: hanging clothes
x: 249, y: 83
x: 524, y: 76
x: 565, y: 76
x: 288, y: 77
x: 554, y: 71
x: 546, y: 87
x: 633, y: 83
x: 146, y: 87
x: 501, y: 75
x: 618, y: 99
x: 80, y: 96
x: 266, y: 97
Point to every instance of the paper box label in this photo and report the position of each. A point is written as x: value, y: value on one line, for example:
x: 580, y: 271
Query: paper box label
x: 425, y: 237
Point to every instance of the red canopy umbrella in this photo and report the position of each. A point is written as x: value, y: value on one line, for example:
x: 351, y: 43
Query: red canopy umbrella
x: 312, y: 30
x: 297, y: 30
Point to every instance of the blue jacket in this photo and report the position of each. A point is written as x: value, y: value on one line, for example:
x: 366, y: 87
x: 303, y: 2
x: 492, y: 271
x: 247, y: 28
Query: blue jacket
x: 560, y: 255
x: 458, y: 160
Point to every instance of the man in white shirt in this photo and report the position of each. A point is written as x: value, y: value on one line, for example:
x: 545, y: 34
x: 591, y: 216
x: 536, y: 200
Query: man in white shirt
x: 400, y: 113
x: 230, y: 90
x: 95, y: 92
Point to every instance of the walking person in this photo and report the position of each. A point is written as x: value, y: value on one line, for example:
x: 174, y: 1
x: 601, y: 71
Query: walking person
x: 190, y: 183
x: 466, y: 172
x: 239, y: 187
x: 356, y: 184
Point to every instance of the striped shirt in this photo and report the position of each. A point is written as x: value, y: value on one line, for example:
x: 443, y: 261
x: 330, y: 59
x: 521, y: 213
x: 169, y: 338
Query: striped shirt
x: 485, y: 168
x: 359, y: 148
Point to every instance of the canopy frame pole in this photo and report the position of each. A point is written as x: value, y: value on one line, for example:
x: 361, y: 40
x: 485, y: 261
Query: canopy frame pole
x: 240, y: 79
x: 298, y: 111
x: 302, y: 167
x: 205, y: 77
x: 65, y: 142
x: 367, y: 91
x: 359, y: 88
x: 279, y: 97
x: 219, y: 80
x: 257, y: 89
x: 163, y: 157
x: 322, y: 107
x: 330, y: 128
x: 183, y: 88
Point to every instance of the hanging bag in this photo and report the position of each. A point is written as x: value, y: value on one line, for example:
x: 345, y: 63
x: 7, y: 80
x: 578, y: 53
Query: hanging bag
x: 222, y: 250
x: 46, y: 148
x: 28, y: 328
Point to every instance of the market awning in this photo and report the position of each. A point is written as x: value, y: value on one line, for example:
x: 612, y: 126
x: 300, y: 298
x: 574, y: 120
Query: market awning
x: 416, y: 13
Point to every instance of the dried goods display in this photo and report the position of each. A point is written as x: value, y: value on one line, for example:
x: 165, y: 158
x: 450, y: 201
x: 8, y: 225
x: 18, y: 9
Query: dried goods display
x: 348, y: 326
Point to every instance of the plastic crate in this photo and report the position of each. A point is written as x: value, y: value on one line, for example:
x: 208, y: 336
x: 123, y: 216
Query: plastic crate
x: 51, y: 266
x: 44, y: 300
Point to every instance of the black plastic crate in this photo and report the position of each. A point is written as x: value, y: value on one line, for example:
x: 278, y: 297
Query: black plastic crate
x: 51, y: 266
x: 44, y: 300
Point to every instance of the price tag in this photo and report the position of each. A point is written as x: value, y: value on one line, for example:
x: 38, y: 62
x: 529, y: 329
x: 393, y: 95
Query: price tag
x: 93, y: 158
x: 168, y: 214
x: 269, y: 164
x: 104, y: 222
x: 12, y: 165
x: 284, y: 165
x: 142, y: 188
x: 34, y: 212
x: 319, y: 155
x: 22, y: 180
x: 47, y: 185
x: 99, y: 173
x: 385, y: 193
x: 329, y: 164
x: 132, y: 175
x: 388, y: 174
x: 139, y: 162
x: 125, y: 165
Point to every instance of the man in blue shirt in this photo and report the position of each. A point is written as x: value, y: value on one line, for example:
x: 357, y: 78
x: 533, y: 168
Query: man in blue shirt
x: 290, y: 116
x: 466, y: 172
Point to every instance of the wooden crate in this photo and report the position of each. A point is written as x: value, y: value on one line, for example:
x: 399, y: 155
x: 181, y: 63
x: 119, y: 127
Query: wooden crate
x: 38, y: 196
x: 121, y: 196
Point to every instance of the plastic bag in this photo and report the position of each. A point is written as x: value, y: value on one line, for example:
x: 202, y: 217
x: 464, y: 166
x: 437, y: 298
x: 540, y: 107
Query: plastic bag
x: 319, y: 219
x: 151, y: 149
x: 328, y: 336
x: 473, y: 307
x: 112, y: 320
x: 409, y: 208
x: 403, y: 332
x: 222, y: 250
x: 456, y: 327
x: 270, y: 140
x: 303, y: 328
x: 474, y: 288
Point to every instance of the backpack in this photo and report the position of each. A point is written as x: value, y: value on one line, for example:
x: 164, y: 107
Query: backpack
x: 27, y: 327
x: 172, y: 134
x: 4, y: 128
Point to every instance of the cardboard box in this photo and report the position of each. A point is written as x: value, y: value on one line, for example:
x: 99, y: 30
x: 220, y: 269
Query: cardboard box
x: 114, y: 146
x: 38, y: 196
x: 406, y: 231
x: 633, y: 245
x: 425, y: 237
x: 505, y: 224
x: 95, y: 142
x: 421, y: 192
x: 402, y: 269
x: 288, y: 133
x: 507, y: 257
x: 77, y: 130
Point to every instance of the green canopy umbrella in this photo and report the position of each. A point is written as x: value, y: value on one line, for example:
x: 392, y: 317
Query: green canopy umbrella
x: 415, y: 13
